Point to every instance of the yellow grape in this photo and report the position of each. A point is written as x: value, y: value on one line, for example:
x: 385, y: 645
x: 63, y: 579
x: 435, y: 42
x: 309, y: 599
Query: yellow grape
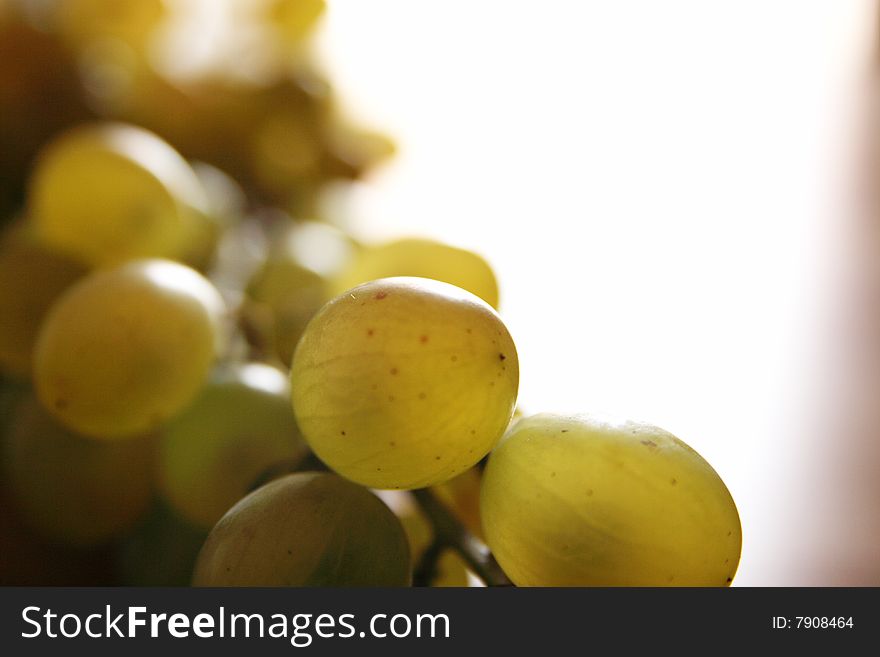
x: 124, y: 349
x: 109, y: 192
x: 423, y: 258
x: 239, y: 425
x: 80, y: 491
x: 31, y: 278
x: 404, y: 382
x: 461, y: 495
x: 306, y: 529
x: 583, y: 501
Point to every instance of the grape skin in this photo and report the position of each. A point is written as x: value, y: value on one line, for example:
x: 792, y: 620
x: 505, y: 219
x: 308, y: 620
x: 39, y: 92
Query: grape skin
x: 109, y: 192
x: 80, y: 491
x: 423, y: 258
x: 31, y: 278
x: 404, y: 382
x: 124, y: 349
x: 583, y: 501
x: 240, y: 424
x: 306, y: 529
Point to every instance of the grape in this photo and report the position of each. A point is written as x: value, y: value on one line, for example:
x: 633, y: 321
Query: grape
x: 461, y: 495
x: 404, y: 382
x: 423, y: 258
x: 357, y: 148
x: 306, y: 529
x: 581, y: 501
x: 31, y: 277
x: 80, y: 491
x: 124, y: 349
x: 240, y: 424
x: 294, y: 19
x: 39, y: 95
x: 30, y: 559
x: 134, y: 22
x: 160, y: 551
x: 292, y: 285
x: 110, y: 192
x: 226, y: 206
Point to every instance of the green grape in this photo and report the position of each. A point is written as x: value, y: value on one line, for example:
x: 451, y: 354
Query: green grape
x: 31, y: 278
x: 226, y: 206
x: 306, y: 529
x: 292, y: 285
x: 160, y: 551
x: 404, y: 382
x: 423, y: 258
x: 581, y: 501
x: 73, y: 489
x: 110, y: 192
x: 240, y: 424
x: 125, y: 349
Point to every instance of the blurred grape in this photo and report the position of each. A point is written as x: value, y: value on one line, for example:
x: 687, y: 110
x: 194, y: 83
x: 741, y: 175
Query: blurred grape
x: 160, y: 551
x: 76, y: 490
x: 240, y: 424
x: 32, y: 277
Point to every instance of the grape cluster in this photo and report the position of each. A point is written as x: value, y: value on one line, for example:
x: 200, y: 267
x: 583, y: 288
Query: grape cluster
x: 206, y: 379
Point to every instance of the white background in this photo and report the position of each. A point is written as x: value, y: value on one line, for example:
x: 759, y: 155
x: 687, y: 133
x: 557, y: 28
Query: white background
x: 661, y: 189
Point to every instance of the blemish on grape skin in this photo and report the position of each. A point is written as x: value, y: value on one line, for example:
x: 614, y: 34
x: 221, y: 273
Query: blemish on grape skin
x: 564, y: 431
x: 370, y: 333
x: 391, y: 443
x: 673, y: 481
x: 380, y: 295
x: 468, y: 331
x: 729, y: 580
x: 649, y: 443
x: 436, y: 458
x: 393, y: 371
x: 424, y: 339
x: 342, y: 432
x: 422, y: 395
x: 391, y: 398
x: 589, y: 492
x: 473, y: 432
x: 501, y: 356
x: 453, y: 358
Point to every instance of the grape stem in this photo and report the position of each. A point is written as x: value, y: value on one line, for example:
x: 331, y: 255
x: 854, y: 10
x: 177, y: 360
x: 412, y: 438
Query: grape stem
x: 425, y: 571
x: 449, y: 533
